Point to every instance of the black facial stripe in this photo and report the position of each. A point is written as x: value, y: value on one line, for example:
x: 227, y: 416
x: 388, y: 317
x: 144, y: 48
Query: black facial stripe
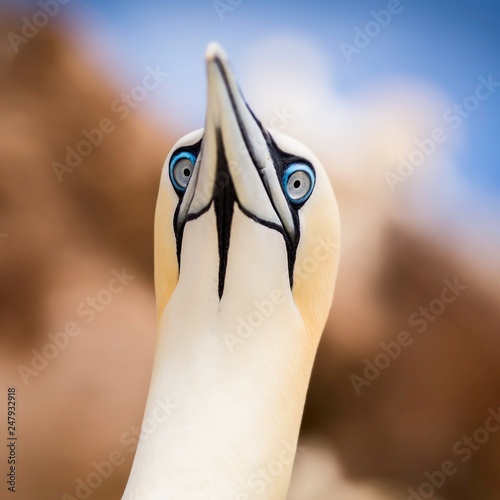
x: 179, y: 231
x: 281, y: 161
x: 224, y: 199
x: 250, y: 215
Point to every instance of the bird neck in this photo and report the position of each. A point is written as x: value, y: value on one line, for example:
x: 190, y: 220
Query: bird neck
x: 226, y: 399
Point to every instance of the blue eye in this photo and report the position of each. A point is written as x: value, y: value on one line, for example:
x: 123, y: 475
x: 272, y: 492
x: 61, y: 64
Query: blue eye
x: 181, y: 169
x: 298, y: 182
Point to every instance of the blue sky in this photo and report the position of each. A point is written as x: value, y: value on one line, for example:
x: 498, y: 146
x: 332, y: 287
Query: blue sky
x: 446, y: 43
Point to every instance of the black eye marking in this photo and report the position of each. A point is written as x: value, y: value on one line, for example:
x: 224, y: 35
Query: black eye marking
x: 193, y: 149
x: 282, y: 161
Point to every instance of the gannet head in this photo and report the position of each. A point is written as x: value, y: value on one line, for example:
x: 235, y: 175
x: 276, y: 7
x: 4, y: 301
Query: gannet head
x: 246, y: 252
x: 244, y: 211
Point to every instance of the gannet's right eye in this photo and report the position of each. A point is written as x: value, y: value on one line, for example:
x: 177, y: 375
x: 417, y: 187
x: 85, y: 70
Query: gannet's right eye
x: 181, y: 169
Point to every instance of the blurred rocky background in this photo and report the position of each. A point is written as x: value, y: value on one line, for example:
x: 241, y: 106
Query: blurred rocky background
x: 405, y: 395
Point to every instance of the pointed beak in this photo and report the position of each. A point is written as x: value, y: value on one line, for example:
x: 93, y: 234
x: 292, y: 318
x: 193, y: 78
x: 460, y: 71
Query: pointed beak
x: 234, y: 137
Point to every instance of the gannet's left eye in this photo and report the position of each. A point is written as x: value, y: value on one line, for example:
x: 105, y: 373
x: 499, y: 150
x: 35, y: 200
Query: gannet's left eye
x: 181, y: 169
x: 298, y: 182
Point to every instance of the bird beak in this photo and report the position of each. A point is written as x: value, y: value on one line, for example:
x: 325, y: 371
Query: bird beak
x: 234, y: 151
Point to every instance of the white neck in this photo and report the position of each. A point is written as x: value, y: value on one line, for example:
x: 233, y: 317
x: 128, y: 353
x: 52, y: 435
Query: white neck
x: 226, y: 398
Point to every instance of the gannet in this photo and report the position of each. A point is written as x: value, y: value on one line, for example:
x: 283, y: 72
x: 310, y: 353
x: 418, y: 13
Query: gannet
x: 247, y: 240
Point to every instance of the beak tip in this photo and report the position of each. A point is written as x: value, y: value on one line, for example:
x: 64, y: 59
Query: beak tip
x: 215, y: 52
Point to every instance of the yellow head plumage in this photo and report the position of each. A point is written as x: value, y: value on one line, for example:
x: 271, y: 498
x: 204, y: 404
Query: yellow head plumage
x: 262, y: 168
